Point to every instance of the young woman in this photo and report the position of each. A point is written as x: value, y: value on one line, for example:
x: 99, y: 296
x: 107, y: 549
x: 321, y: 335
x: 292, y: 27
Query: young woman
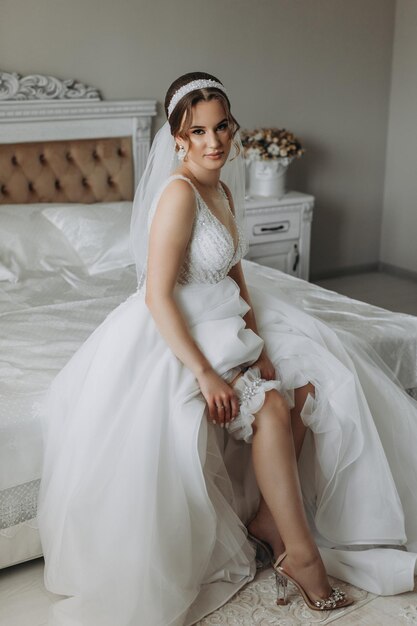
x: 182, y: 418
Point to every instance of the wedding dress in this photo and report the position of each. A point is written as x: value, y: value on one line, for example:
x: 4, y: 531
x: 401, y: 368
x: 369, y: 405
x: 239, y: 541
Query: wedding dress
x: 143, y: 501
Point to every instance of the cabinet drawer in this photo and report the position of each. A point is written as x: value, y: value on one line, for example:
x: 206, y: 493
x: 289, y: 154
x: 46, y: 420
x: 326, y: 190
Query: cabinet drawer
x: 284, y: 256
x: 279, y: 226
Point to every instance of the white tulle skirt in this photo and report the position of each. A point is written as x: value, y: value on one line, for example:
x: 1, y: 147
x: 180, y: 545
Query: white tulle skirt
x: 143, y: 502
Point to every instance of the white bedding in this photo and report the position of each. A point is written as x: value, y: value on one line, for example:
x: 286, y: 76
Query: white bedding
x: 45, y: 317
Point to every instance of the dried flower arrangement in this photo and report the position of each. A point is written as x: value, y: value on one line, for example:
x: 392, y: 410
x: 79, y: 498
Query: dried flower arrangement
x: 263, y: 144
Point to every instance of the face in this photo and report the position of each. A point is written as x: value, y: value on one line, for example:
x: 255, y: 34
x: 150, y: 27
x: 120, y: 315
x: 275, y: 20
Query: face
x: 209, y: 138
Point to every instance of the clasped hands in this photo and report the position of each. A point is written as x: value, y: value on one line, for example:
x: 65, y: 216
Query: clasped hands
x: 222, y: 401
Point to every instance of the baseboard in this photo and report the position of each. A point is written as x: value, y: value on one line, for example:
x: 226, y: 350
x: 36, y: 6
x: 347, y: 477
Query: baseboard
x: 397, y: 271
x: 387, y: 268
x: 344, y: 271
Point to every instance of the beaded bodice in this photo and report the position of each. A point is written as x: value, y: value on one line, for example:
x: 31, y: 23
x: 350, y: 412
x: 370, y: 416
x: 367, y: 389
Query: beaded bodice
x: 211, y: 251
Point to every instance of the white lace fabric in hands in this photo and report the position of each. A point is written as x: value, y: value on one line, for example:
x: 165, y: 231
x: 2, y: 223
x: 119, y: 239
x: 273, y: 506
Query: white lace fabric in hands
x: 250, y: 389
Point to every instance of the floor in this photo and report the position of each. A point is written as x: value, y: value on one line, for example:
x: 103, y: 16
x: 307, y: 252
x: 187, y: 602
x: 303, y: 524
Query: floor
x: 384, y: 290
x: 24, y: 600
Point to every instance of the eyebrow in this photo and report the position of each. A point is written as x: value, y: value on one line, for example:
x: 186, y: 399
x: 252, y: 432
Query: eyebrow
x: 224, y: 120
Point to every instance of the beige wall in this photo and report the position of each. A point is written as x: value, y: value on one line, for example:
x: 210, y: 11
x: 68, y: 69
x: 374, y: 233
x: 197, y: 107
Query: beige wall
x: 320, y: 68
x: 399, y: 226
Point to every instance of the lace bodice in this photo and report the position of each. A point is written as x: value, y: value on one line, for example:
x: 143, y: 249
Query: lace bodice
x: 211, y: 250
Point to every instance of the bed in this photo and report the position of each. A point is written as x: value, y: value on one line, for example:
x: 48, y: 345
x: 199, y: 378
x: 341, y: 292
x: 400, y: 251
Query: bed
x: 69, y: 163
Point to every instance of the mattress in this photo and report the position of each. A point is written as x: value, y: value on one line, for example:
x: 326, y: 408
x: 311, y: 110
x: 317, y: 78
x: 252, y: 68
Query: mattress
x: 46, y: 317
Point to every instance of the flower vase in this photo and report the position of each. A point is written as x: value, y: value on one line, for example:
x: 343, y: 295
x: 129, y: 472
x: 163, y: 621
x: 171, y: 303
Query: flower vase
x: 267, y: 178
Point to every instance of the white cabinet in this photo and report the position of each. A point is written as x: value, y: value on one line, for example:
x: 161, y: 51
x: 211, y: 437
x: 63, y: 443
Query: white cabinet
x: 279, y: 232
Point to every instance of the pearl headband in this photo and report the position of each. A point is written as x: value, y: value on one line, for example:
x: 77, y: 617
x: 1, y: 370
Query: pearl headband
x: 192, y: 86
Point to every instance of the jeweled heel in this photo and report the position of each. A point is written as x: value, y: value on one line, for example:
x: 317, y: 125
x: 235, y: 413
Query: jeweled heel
x: 336, y: 600
x: 281, y: 583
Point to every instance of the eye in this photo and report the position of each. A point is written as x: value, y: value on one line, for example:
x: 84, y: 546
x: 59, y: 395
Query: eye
x: 197, y: 131
x: 223, y: 126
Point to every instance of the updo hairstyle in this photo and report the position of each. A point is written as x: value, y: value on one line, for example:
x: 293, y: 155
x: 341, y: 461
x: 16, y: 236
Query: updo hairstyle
x: 190, y: 99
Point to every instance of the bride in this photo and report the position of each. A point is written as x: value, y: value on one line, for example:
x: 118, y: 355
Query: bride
x: 202, y: 405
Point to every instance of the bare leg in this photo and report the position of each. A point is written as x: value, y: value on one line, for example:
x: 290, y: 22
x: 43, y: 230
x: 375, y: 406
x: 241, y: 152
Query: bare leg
x: 263, y: 525
x: 275, y: 465
x: 298, y: 428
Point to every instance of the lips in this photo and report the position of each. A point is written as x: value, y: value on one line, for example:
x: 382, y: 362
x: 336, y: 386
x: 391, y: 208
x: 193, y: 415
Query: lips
x: 214, y: 154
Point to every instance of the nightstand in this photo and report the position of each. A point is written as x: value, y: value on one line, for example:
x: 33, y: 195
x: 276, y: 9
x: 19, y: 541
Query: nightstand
x: 279, y: 232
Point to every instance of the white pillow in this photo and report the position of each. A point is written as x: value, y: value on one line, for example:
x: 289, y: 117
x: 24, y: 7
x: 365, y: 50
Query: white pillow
x: 99, y: 233
x: 29, y: 243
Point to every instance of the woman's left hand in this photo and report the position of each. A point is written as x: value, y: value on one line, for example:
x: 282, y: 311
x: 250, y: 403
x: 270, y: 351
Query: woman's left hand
x: 265, y: 365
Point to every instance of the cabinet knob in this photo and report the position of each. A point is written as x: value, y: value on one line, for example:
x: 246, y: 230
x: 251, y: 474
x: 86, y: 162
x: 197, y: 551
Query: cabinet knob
x: 272, y: 229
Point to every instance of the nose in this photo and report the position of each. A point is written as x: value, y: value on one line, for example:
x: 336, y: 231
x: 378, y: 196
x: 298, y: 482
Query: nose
x: 213, y: 140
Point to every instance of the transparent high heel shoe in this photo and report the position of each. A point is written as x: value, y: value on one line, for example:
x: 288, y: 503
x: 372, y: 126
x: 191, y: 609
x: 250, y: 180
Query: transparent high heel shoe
x: 336, y: 600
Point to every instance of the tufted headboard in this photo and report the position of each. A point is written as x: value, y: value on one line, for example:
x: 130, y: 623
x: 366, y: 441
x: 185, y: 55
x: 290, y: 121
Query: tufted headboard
x: 84, y: 170
x: 61, y: 144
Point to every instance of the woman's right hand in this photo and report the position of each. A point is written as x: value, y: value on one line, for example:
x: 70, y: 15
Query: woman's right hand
x: 222, y: 401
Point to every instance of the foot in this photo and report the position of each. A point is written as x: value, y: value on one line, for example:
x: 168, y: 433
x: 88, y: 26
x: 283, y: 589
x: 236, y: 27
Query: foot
x: 263, y: 527
x: 308, y: 571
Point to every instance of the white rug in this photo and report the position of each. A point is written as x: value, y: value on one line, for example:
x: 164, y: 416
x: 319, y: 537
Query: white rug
x: 255, y: 605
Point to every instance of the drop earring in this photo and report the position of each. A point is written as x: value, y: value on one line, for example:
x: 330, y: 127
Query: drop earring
x: 181, y: 153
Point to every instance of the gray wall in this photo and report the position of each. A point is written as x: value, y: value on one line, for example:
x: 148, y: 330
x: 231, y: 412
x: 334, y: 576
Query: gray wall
x: 320, y: 68
x: 399, y: 225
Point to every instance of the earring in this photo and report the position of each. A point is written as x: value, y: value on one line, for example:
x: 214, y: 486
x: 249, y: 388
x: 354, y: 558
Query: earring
x: 181, y: 153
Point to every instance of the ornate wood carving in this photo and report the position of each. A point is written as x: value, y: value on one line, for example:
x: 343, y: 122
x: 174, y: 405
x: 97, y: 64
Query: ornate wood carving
x: 14, y: 86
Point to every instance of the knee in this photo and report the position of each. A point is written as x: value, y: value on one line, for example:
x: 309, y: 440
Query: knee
x: 275, y: 408
x: 277, y: 400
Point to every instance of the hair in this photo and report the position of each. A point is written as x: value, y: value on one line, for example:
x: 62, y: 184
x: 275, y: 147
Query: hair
x: 180, y: 126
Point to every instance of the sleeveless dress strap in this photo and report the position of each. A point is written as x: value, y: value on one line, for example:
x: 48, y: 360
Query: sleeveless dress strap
x: 165, y: 183
x: 182, y: 177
